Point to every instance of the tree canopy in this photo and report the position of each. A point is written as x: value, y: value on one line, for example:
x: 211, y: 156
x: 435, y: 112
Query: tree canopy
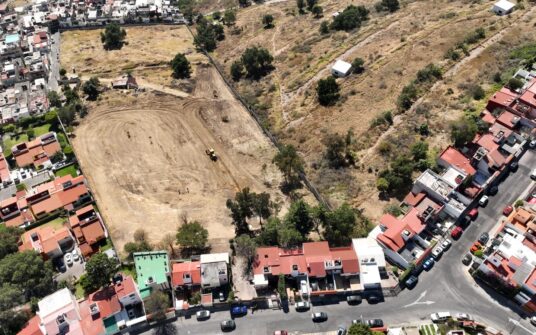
x: 180, y: 66
x: 205, y: 38
x: 9, y: 237
x: 257, y: 62
x: 357, y: 65
x: 113, y: 37
x: 289, y: 162
x: 359, y: 329
x: 229, y: 17
x: 328, y: 91
x: 299, y: 217
x: 390, y: 5
x: 192, y: 235
x: 92, y: 88
x: 245, y: 246
x: 339, y: 150
x: 247, y: 204
x: 350, y: 18
x: 99, y: 270
x: 156, y: 305
x: 463, y: 131
x: 268, y: 21
x: 141, y: 243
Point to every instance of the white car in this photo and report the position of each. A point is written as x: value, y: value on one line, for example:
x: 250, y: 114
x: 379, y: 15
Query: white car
x: 484, y: 200
x: 464, y: 317
x: 533, y: 320
x: 446, y: 244
x: 440, y: 317
x: 69, y: 259
x: 303, y: 287
x: 437, y: 252
x: 202, y: 315
x: 532, y: 144
x: 302, y: 305
x: 76, y: 255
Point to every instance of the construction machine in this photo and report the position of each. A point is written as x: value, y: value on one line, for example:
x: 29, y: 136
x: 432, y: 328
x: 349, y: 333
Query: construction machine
x: 210, y: 152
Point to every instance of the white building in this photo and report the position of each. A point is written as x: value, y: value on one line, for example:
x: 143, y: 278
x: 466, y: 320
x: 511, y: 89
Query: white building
x: 214, y: 270
x: 371, y: 261
x: 341, y: 68
x: 503, y: 7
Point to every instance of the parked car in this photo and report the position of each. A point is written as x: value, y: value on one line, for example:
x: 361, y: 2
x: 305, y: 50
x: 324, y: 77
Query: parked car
x: 484, y: 238
x: 411, y: 282
x: 508, y: 210
x: 280, y: 332
x: 222, y: 297
x: 228, y: 325
x: 303, y: 306
x: 465, y: 221
x: 69, y: 259
x: 202, y: 315
x: 476, y: 246
x: 341, y: 330
x: 446, y: 244
x: 514, y: 166
x: 473, y: 213
x: 437, y: 252
x: 483, y: 201
x: 319, y: 316
x: 533, y: 174
x: 373, y: 299
x: 440, y: 317
x: 456, y: 232
x: 303, y: 287
x: 464, y: 317
x: 428, y: 263
x: 354, y: 299
x: 532, y: 144
x: 76, y: 255
x: 239, y: 310
x: 493, y: 190
x: 59, y: 264
x: 374, y: 323
x: 533, y: 320
x: 466, y: 260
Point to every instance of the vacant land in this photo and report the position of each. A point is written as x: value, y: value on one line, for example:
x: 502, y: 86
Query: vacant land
x: 144, y: 154
x: 394, y: 47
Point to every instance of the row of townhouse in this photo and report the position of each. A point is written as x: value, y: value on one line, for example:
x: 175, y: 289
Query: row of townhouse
x: 511, y: 258
x: 464, y: 175
x: 24, y: 62
x: 324, y: 270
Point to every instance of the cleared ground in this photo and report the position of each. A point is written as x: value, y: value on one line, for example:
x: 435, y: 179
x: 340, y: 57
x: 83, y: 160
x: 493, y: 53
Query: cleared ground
x: 144, y: 155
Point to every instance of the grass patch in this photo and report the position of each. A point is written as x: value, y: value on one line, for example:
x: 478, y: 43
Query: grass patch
x: 107, y: 246
x: 41, y: 130
x: 10, y: 141
x: 79, y: 291
x: 71, y: 169
x: 62, y: 139
x: 56, y: 224
x: 129, y: 270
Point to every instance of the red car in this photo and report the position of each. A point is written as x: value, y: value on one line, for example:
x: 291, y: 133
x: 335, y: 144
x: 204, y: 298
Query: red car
x: 473, y: 213
x: 456, y: 233
x: 507, y: 210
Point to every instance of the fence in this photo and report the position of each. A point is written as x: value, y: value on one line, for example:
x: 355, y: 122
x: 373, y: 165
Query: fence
x: 266, y: 132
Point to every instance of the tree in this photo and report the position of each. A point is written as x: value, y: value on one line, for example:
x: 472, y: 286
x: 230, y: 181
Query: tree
x: 359, y: 329
x: 357, y: 65
x: 324, y: 28
x: 514, y: 84
x: 63, y: 72
x: 229, y: 17
x: 462, y: 131
x: 339, y: 226
x: 407, y: 97
x: 339, y: 150
x: 219, y: 32
x: 165, y: 328
x: 391, y: 5
x: 299, y: 217
x: 168, y: 242
x: 245, y: 247
x: 328, y: 91
x: 132, y: 247
x: 181, y: 67
x: 257, y: 62
x: 205, y: 38
x: 262, y: 206
x: 419, y: 150
x: 9, y: 237
x: 192, y: 235
x: 382, y: 184
x: 301, y: 5
x: 311, y: 4
x: 30, y: 133
x: 393, y: 209
x: 237, y: 70
x: 156, y: 305
x: 317, y: 11
x: 268, y: 21
x: 12, y: 319
x: 99, y: 270
x: 289, y: 162
x: 28, y: 273
x: 216, y: 15
x: 113, y: 37
x: 54, y: 99
x: 91, y: 88
x: 350, y: 18
x: 281, y: 287
x: 244, y: 3
x: 67, y: 114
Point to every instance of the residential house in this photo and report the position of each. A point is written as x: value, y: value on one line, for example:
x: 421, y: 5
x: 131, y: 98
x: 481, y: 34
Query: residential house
x: 326, y: 270
x: 37, y: 152
x: 372, y: 265
x: 48, y: 241
x: 402, y: 239
x: 14, y: 211
x: 65, y: 193
x: 86, y: 225
x: 125, y: 81
x: 4, y: 170
x: 214, y: 270
x: 186, y: 276
x: 153, y: 271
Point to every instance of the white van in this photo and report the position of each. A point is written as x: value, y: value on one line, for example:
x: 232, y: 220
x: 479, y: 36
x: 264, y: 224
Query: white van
x: 440, y: 317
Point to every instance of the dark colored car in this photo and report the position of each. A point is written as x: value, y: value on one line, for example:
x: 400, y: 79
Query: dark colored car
x: 484, y: 238
x: 465, y: 221
x: 493, y: 190
x: 411, y: 282
x: 59, y: 264
x: 319, y: 316
x: 373, y: 299
x: 228, y: 325
x: 375, y: 323
x: 239, y: 310
x: 428, y: 264
x: 514, y: 166
x: 354, y: 299
x: 466, y: 260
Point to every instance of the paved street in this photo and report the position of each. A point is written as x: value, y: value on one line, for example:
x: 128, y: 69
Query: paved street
x: 447, y: 287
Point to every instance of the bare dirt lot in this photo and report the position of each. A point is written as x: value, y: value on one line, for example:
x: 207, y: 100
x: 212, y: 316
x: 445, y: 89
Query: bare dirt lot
x: 144, y: 155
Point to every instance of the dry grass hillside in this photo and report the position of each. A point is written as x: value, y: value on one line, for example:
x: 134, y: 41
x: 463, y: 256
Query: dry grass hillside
x: 394, y: 47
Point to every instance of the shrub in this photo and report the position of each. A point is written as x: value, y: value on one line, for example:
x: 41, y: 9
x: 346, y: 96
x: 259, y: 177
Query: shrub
x: 477, y: 92
x: 113, y: 37
x: 328, y: 91
x: 268, y: 21
x: 180, y: 66
x: 350, y: 18
x: 514, y: 84
x: 324, y: 28
x: 357, y: 65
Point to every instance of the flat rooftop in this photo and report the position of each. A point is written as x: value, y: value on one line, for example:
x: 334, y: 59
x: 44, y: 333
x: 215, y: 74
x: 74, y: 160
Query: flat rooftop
x: 152, y: 267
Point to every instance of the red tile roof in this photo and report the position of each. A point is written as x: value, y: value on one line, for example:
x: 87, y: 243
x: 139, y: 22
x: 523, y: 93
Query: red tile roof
x: 107, y: 301
x: 455, y: 158
x: 414, y: 199
x: 193, y: 269
x: 506, y: 119
x: 394, y: 228
x: 126, y: 287
x: 32, y: 327
x: 31, y: 152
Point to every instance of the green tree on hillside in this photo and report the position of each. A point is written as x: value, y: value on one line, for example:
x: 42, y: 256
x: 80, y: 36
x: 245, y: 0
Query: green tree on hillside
x: 328, y: 91
x: 99, y: 270
x: 180, y: 66
x: 113, y: 37
x: 289, y: 162
x: 92, y: 88
x: 192, y: 236
x: 257, y: 62
x: 268, y: 21
x: 301, y: 5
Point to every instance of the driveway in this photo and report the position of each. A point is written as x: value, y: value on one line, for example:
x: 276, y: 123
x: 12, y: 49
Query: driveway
x: 73, y: 272
x: 447, y: 287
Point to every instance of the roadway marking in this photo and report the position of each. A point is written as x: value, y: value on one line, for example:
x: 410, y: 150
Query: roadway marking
x: 419, y: 302
x: 518, y: 324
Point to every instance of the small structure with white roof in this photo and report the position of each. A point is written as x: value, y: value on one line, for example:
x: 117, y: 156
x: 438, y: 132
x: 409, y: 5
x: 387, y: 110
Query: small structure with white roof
x: 503, y: 7
x: 341, y: 68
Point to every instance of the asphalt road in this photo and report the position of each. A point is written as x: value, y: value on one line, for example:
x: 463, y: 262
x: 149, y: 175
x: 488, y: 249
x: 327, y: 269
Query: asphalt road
x: 446, y: 287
